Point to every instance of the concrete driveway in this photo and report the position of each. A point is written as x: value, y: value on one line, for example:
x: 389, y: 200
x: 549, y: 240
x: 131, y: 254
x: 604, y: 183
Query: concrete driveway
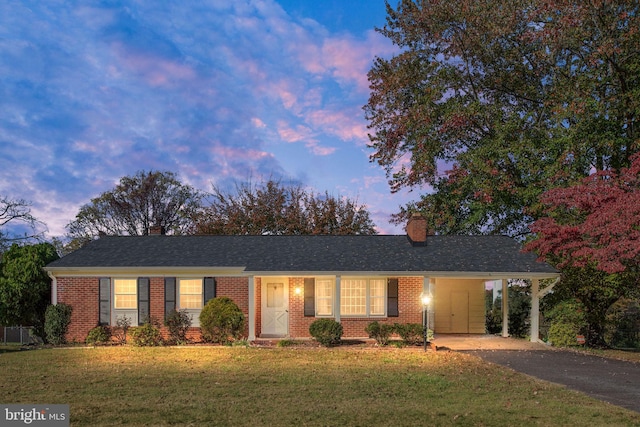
x: 613, y: 381
x: 460, y: 342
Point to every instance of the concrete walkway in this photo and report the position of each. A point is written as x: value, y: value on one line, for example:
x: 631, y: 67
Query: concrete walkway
x: 613, y: 381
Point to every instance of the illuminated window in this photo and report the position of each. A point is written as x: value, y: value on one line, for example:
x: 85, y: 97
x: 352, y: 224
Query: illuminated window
x: 377, y: 288
x: 353, y: 297
x: 362, y: 297
x: 324, y: 297
x: 125, y: 295
x: 190, y: 291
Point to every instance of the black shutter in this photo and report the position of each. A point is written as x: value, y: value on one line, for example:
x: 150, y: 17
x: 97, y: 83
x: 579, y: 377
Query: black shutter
x: 209, y: 289
x: 104, y: 299
x: 144, y: 306
x: 309, y: 297
x: 169, y: 295
x: 392, y: 298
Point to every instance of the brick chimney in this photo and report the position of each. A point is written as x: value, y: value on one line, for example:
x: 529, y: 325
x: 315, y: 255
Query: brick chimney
x: 417, y: 229
x: 156, y: 230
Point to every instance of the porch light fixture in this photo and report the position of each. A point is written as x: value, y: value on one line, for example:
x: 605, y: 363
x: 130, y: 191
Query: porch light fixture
x: 425, y: 298
x: 297, y: 290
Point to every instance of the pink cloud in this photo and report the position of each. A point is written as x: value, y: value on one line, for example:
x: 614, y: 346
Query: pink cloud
x: 233, y: 161
x: 303, y: 133
x: 345, y: 59
x: 289, y: 134
x: 345, y: 126
x: 318, y: 150
x: 256, y: 122
x: 156, y: 71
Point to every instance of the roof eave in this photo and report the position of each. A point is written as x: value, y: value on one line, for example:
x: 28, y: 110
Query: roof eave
x: 157, y: 271
x: 153, y: 271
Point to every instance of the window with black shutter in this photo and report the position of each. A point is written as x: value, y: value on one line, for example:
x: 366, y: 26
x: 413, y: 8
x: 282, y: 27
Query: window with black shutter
x: 309, y: 297
x: 392, y: 298
x: 104, y: 300
x: 169, y: 295
x: 144, y: 300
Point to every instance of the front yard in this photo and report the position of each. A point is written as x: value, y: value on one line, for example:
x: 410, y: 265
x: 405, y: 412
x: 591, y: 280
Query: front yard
x: 203, y: 385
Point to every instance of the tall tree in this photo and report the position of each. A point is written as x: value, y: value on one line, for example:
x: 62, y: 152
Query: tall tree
x: 137, y: 203
x: 273, y: 208
x: 12, y: 212
x: 488, y: 103
x: 25, y: 288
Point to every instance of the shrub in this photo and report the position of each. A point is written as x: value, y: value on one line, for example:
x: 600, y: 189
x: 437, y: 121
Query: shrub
x: 563, y: 334
x: 519, y: 310
x: 178, y: 323
x: 221, y: 321
x: 99, y: 335
x: 379, y: 332
x: 123, y: 324
x: 56, y: 323
x: 623, y: 324
x: 410, y: 333
x: 326, y: 331
x: 493, y: 319
x: 286, y: 343
x: 147, y: 335
x: 567, y: 321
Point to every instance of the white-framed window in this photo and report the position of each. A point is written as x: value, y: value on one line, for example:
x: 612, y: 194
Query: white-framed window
x: 377, y: 297
x: 363, y: 297
x: 324, y: 297
x: 190, y: 294
x: 125, y: 294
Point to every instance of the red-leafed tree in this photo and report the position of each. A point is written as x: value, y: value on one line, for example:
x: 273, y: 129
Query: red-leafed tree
x: 595, y: 222
x: 592, y: 232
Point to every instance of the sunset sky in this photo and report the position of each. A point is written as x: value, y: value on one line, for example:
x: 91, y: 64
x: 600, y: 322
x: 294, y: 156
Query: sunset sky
x: 219, y: 92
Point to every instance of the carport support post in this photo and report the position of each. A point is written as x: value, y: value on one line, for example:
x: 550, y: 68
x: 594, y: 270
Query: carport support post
x: 535, y: 310
x: 252, y: 309
x: 505, y: 308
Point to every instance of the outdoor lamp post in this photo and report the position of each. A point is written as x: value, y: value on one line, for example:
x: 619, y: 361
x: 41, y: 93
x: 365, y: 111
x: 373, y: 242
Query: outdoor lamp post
x: 425, y: 298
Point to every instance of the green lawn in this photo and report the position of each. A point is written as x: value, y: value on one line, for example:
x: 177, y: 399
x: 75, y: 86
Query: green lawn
x: 290, y: 386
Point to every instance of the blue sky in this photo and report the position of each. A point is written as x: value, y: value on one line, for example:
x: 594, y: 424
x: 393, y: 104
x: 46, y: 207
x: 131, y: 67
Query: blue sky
x: 219, y: 92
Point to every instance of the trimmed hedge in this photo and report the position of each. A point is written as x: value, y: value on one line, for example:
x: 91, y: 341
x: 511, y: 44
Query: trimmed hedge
x: 221, y: 321
x: 327, y: 332
x: 381, y: 332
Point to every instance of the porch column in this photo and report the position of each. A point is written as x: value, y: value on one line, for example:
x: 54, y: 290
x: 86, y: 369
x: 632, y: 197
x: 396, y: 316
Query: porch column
x: 505, y: 308
x: 337, y: 306
x: 252, y: 309
x: 535, y: 310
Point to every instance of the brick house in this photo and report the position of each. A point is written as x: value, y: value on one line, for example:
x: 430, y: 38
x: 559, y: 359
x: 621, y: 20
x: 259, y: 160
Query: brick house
x: 284, y: 283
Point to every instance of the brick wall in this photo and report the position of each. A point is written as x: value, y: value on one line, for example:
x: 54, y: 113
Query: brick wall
x: 298, y: 324
x: 156, y: 295
x: 237, y: 289
x: 81, y: 293
x: 258, y: 299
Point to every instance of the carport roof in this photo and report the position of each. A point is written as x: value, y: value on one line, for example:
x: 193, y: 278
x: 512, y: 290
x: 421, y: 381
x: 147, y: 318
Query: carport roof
x: 312, y: 254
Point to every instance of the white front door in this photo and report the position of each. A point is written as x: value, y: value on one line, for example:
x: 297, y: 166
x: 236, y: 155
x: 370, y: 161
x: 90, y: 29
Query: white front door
x: 275, y: 307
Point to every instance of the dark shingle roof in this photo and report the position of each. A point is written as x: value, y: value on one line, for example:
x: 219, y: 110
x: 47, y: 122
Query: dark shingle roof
x: 466, y: 254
